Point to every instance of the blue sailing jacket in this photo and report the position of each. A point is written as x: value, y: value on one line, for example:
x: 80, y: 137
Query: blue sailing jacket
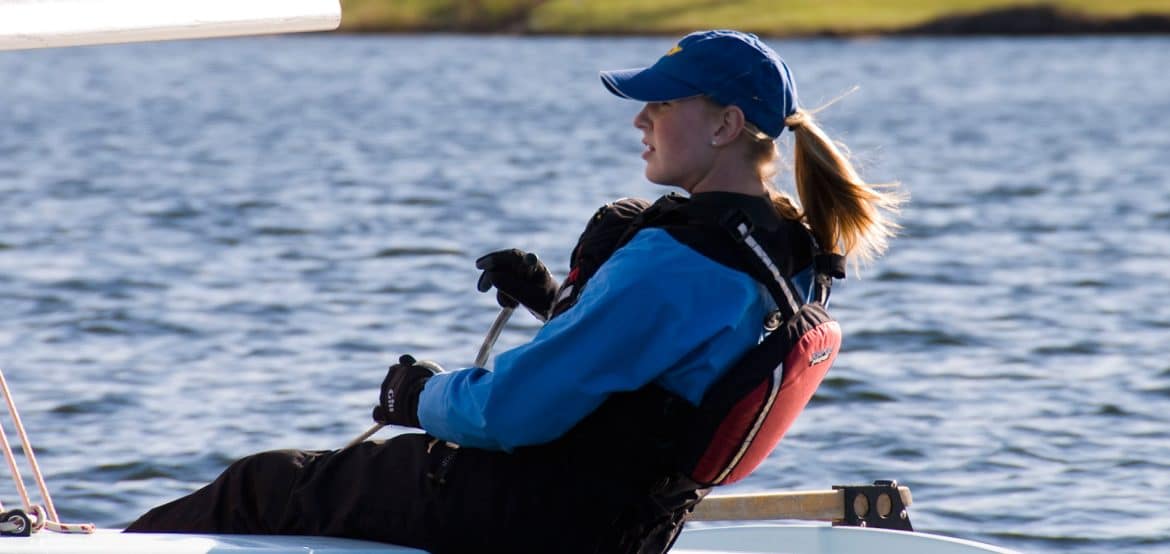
x: 656, y: 311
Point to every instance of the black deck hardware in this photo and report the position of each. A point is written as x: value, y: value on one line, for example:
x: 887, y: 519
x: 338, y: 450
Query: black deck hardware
x: 878, y: 506
x: 15, y: 523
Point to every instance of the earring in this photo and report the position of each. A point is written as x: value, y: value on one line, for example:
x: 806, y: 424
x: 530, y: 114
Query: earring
x: 714, y: 142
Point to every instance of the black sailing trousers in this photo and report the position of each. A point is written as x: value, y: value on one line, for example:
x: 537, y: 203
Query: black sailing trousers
x: 416, y: 491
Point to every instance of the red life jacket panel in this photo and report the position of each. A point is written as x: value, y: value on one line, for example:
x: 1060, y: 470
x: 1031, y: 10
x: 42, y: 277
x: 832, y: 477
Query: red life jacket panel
x: 744, y: 415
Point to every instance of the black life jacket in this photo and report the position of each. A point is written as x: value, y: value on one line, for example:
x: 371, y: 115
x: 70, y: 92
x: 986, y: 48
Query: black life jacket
x: 746, y: 412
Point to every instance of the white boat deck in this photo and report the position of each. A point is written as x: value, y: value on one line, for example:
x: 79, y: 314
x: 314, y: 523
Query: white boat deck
x: 823, y: 539
x: 790, y: 539
x: 109, y: 541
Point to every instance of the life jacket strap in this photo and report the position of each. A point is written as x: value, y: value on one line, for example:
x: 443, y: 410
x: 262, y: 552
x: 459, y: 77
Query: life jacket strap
x: 784, y: 293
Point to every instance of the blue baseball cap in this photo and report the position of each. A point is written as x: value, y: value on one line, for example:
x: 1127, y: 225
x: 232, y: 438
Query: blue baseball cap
x: 730, y: 67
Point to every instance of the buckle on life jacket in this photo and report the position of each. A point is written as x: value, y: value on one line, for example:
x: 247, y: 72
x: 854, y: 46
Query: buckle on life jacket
x: 830, y: 264
x: 774, y: 320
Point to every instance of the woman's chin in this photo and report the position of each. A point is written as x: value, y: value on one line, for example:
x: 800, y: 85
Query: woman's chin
x: 656, y: 177
x: 661, y: 180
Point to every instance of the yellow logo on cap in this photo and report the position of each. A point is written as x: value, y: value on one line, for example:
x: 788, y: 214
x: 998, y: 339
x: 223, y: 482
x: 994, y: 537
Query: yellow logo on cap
x: 674, y: 50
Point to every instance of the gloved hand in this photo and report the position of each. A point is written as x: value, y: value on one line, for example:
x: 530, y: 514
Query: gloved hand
x: 519, y: 277
x: 398, y: 401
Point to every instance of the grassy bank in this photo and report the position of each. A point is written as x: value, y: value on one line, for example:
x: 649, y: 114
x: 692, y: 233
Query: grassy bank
x: 770, y: 17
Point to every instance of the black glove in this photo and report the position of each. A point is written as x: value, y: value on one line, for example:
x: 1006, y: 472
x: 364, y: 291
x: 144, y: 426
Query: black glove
x: 519, y: 277
x: 398, y: 401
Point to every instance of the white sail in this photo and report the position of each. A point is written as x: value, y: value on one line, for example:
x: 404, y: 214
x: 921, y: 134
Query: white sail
x: 26, y: 24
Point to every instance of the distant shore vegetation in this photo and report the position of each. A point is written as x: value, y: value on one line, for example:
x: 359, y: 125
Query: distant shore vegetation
x: 766, y: 17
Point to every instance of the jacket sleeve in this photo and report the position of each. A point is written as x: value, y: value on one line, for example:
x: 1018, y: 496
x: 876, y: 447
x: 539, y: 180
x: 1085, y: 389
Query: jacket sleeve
x: 656, y: 310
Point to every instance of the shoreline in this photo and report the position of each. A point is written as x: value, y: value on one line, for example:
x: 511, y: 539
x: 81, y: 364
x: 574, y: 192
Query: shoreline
x: 1042, y: 20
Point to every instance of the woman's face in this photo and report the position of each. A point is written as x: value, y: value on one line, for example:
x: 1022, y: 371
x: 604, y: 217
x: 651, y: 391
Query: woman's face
x: 677, y: 136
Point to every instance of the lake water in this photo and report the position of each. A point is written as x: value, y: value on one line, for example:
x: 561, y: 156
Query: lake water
x: 213, y: 248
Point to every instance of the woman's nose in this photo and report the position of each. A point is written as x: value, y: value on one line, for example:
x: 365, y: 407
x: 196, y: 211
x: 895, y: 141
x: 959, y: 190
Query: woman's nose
x: 641, y: 121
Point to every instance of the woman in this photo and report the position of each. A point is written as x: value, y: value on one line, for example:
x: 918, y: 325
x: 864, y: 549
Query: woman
x: 561, y: 448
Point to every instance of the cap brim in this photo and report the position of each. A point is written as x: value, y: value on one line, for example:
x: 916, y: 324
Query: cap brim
x: 646, y: 85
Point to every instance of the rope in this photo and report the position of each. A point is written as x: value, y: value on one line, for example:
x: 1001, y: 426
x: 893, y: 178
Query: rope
x: 8, y: 455
x: 43, y: 517
x: 481, y: 359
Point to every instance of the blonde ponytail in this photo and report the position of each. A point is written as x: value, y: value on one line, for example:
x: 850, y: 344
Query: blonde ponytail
x: 846, y: 215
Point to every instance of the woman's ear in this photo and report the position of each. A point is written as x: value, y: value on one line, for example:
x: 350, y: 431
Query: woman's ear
x: 730, y: 125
